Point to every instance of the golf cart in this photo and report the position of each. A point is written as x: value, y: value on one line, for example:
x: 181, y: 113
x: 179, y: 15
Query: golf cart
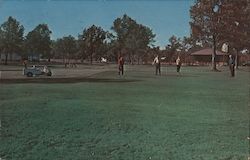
x: 36, y: 71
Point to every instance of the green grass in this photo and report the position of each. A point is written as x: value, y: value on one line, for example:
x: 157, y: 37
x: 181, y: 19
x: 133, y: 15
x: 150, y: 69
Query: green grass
x: 200, y: 115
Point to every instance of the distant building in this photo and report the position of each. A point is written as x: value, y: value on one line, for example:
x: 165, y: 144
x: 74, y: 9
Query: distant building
x: 11, y: 57
x: 34, y: 57
x: 204, y: 57
x: 17, y: 57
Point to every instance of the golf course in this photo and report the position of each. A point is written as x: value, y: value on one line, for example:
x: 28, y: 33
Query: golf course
x: 195, y: 115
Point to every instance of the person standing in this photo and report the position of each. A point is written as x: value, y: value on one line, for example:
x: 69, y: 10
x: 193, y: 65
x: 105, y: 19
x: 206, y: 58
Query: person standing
x: 25, y: 63
x: 231, y: 64
x: 157, y: 64
x: 178, y: 64
x: 120, y: 65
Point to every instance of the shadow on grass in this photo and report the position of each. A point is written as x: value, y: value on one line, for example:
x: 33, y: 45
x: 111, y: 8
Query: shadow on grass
x: 66, y: 80
x: 167, y: 75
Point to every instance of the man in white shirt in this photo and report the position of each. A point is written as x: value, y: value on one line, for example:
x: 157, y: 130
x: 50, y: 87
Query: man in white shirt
x: 157, y: 64
x: 178, y: 64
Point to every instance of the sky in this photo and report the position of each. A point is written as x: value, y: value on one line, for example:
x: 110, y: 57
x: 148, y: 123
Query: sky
x: 70, y: 17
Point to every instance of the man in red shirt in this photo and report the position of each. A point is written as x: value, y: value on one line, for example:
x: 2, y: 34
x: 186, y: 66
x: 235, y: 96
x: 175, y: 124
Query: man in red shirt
x: 121, y: 65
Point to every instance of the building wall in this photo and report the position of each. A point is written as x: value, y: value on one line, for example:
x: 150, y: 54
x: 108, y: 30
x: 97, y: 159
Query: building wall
x: 206, y: 60
x: 244, y: 58
x: 223, y: 60
x: 13, y: 57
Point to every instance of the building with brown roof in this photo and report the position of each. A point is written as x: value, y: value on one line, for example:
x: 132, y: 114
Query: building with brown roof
x: 204, y: 56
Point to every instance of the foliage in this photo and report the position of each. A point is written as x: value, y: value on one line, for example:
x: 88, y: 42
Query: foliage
x: 205, y: 23
x: 132, y: 37
x: 11, y: 37
x: 134, y: 40
x: 66, y: 48
x: 235, y: 15
x: 92, y: 40
x: 173, y: 48
x: 218, y: 21
x: 38, y: 41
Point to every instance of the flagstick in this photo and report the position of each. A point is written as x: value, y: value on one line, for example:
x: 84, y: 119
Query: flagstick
x: 166, y: 69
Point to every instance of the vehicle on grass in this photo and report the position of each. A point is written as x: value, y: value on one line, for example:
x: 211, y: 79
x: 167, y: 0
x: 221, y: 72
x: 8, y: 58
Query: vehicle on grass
x: 37, y: 71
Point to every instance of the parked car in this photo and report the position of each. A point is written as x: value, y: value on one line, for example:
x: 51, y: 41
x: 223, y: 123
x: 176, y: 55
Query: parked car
x: 246, y: 63
x: 36, y: 71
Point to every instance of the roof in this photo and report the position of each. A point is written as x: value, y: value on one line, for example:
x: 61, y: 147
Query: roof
x: 207, y: 52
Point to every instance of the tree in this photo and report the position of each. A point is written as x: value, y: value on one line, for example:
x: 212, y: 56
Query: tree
x: 189, y: 44
x: 235, y: 15
x: 138, y: 40
x: 1, y: 41
x: 105, y: 48
x: 132, y: 36
x: 205, y: 24
x: 66, y: 48
x: 11, y: 37
x: 220, y: 21
x: 53, y: 49
x: 173, y: 47
x: 122, y: 27
x: 92, y: 40
x: 38, y: 41
x: 111, y: 47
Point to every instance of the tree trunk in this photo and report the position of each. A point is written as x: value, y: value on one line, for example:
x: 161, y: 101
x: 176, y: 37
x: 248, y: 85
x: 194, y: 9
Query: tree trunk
x: 214, y: 55
x: 91, y: 58
x: 91, y: 55
x: 120, y: 53
x: 11, y: 57
x: 64, y: 59
x: 64, y: 62
x: 6, y: 59
x: 236, y: 60
x: 129, y: 58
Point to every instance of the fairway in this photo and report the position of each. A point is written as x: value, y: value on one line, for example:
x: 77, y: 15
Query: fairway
x: 197, y: 115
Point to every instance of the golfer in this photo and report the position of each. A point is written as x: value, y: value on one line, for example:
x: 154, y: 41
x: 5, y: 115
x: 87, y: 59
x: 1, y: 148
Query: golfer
x: 25, y: 63
x: 157, y: 64
x: 231, y: 64
x: 178, y: 64
x: 120, y: 65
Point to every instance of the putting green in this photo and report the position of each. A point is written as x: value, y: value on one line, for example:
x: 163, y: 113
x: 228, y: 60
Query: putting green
x: 196, y: 115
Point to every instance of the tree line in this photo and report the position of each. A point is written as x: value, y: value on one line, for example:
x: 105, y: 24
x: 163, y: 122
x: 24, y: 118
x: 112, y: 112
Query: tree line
x: 216, y: 22
x: 128, y: 38
x: 213, y: 23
